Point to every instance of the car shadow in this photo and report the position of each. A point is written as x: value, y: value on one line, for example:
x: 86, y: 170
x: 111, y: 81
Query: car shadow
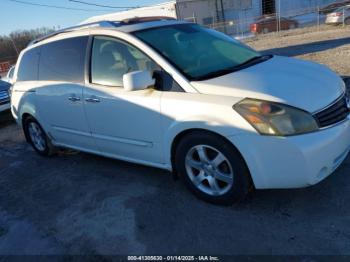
x: 6, y: 119
x: 309, y: 48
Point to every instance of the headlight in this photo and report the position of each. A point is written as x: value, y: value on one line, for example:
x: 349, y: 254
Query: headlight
x: 270, y: 118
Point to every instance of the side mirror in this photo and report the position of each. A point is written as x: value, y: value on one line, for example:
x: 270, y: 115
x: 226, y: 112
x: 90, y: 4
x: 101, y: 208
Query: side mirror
x: 137, y: 80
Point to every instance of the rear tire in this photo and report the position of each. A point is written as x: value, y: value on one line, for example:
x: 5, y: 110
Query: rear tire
x: 37, y: 137
x: 266, y: 30
x: 212, y: 168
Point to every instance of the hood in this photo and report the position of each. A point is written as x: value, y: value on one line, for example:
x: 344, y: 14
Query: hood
x: 295, y: 82
x: 4, y: 86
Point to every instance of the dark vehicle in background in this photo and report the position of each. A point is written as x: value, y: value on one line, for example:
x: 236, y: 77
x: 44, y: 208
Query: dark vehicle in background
x: 4, y: 96
x: 334, y: 6
x: 267, y: 24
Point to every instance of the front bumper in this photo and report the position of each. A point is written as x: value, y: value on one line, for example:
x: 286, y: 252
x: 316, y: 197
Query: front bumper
x: 293, y: 162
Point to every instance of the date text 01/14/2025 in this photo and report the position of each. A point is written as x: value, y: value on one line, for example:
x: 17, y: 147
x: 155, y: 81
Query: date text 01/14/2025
x: 173, y: 258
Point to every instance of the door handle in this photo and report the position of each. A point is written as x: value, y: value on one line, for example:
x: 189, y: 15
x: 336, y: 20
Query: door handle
x: 74, y: 98
x: 92, y: 100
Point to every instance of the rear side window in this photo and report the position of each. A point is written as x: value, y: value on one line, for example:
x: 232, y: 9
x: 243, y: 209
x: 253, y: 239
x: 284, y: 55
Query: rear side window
x: 28, y: 68
x: 63, y: 60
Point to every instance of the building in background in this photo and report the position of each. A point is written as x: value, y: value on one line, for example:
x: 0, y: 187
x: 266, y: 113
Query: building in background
x: 165, y: 9
x: 230, y: 16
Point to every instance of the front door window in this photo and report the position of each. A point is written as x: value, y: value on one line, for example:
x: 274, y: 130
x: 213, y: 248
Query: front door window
x: 111, y: 59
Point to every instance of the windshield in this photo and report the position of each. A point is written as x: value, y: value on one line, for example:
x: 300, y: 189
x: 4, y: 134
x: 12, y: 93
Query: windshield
x: 199, y: 53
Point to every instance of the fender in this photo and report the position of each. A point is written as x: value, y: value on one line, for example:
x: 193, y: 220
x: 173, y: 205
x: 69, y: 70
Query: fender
x: 186, y: 111
x: 26, y: 105
x: 214, y: 125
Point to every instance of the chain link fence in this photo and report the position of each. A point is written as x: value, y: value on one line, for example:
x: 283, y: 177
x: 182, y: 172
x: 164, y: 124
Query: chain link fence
x: 245, y: 24
x: 6, y: 64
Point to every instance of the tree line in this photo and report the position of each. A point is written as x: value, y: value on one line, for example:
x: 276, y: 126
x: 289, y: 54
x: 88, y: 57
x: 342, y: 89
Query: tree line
x: 11, y: 45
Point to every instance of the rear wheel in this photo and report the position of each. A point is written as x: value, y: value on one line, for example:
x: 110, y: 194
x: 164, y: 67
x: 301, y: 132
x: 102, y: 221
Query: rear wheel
x: 212, y: 168
x: 266, y: 30
x: 37, y: 137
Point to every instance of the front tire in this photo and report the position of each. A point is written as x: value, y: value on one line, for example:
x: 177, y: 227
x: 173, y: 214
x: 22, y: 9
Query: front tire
x: 212, y: 168
x: 37, y: 137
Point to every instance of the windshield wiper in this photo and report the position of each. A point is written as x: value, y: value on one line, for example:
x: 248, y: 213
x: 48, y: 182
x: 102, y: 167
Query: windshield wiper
x: 255, y: 60
x: 250, y: 62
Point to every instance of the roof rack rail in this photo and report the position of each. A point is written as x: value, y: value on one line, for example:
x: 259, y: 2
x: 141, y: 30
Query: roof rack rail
x: 73, y: 28
x: 113, y: 24
x: 142, y: 19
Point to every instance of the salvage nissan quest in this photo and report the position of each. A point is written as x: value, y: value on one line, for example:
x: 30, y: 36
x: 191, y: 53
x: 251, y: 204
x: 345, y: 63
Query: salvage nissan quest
x: 177, y: 96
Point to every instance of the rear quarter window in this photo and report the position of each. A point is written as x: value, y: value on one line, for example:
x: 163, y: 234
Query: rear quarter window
x: 28, y: 68
x: 63, y: 60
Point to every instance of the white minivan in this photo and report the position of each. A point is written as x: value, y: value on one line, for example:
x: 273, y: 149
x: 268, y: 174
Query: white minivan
x: 177, y: 96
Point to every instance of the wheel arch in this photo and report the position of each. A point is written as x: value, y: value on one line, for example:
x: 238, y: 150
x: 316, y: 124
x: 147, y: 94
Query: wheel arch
x: 24, y: 117
x: 187, y: 132
x: 25, y: 109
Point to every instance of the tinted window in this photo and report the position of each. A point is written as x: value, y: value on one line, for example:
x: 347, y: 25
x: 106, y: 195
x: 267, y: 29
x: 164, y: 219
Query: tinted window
x: 165, y: 82
x: 111, y: 59
x: 63, y: 60
x: 28, y: 68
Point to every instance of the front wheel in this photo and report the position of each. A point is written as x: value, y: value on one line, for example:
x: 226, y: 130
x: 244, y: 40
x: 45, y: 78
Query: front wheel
x: 212, y: 168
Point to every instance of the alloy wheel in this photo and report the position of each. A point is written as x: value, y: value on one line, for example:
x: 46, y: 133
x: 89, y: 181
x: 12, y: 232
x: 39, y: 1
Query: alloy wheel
x: 209, y: 170
x: 37, y: 136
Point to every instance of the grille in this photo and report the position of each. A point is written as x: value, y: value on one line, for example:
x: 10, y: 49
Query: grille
x: 333, y: 114
x: 4, y: 97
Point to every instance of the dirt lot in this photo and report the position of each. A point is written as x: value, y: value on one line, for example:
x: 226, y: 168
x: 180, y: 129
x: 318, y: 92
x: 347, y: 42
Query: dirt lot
x: 330, y: 46
x: 84, y: 204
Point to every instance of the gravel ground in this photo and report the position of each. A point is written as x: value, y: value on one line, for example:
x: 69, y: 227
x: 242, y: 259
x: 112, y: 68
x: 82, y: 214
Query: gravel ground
x: 330, y: 46
x: 77, y: 203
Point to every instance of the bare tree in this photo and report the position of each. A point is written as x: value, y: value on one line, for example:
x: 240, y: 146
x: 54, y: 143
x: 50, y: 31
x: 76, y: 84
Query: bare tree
x: 11, y: 45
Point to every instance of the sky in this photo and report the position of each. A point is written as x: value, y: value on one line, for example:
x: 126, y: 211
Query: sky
x: 20, y: 16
